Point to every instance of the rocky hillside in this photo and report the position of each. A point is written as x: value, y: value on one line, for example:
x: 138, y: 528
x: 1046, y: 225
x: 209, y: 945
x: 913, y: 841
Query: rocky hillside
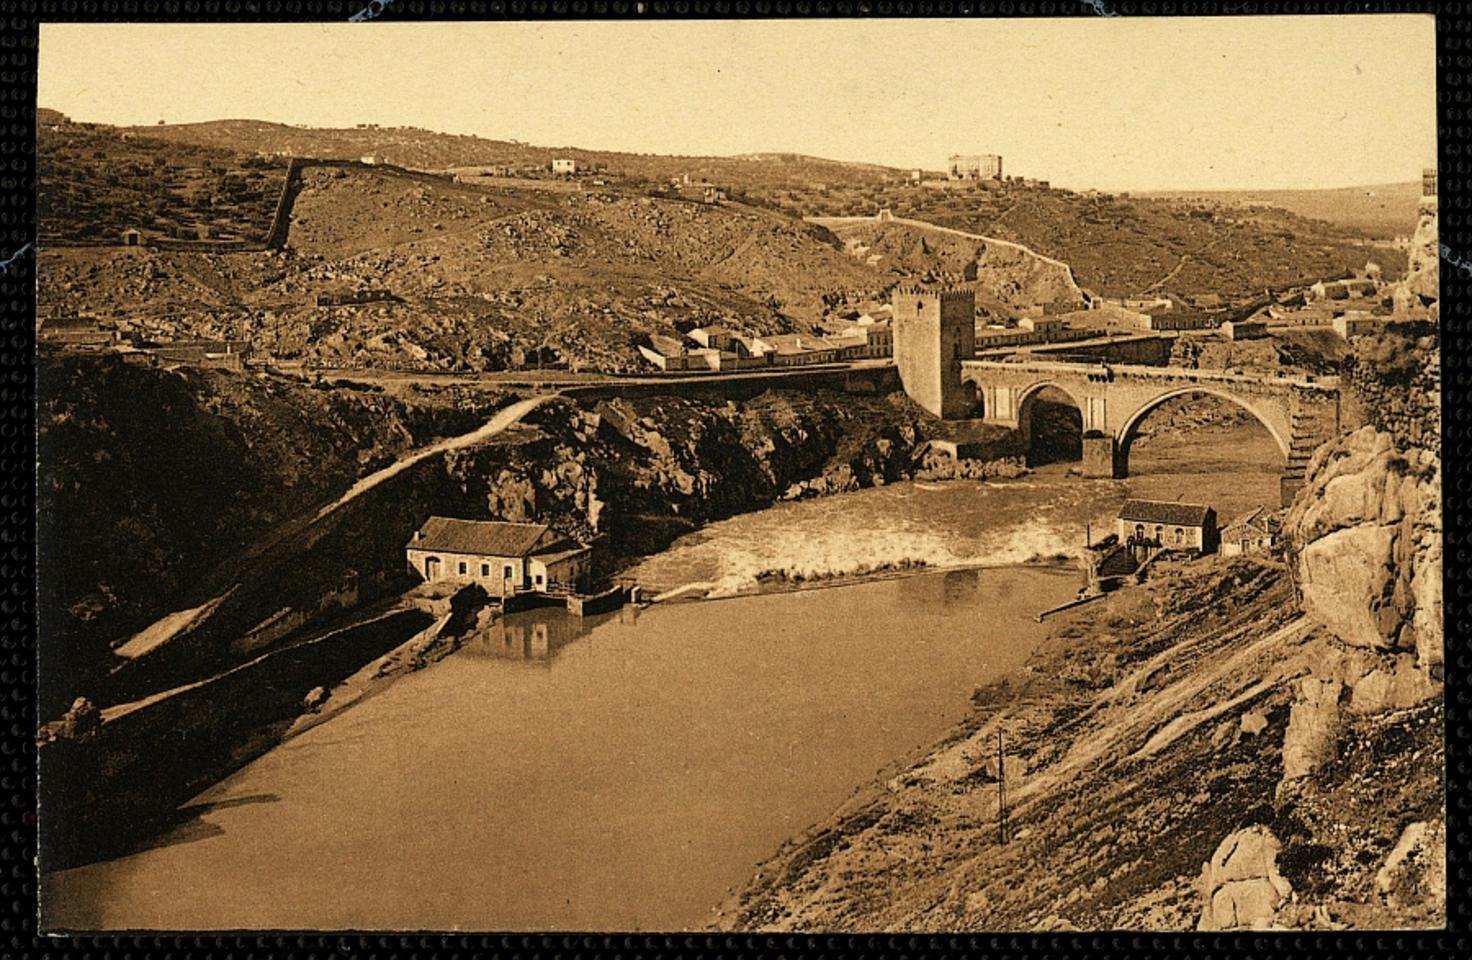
x: 1117, y: 245
x: 1236, y: 744
x: 164, y: 492
x: 96, y: 182
x: 473, y: 279
x: 152, y: 480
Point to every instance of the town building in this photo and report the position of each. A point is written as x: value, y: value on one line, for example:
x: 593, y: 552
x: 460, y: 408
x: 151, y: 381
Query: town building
x: 1045, y: 327
x: 1166, y: 524
x: 1244, y: 329
x: 1176, y: 321
x: 667, y: 353
x: 1342, y: 289
x: 505, y: 559
x: 974, y: 166
x: 1148, y: 304
x: 1252, y: 533
x: 132, y: 238
x: 715, y: 338
x: 77, y: 333
x: 564, y: 165
x: 1356, y: 323
x: 793, y: 349
x: 222, y: 354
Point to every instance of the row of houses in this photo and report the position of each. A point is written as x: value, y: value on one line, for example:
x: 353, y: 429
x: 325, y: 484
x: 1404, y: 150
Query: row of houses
x: 718, y: 348
x: 88, y: 335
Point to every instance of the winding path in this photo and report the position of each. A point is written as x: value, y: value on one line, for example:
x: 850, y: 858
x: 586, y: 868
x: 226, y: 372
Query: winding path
x: 171, y: 625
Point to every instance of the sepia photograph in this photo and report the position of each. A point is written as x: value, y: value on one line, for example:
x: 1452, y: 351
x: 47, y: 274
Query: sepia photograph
x: 805, y: 476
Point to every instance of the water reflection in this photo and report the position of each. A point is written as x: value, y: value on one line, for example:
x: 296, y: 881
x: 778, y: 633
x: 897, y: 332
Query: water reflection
x: 537, y: 635
x: 961, y: 586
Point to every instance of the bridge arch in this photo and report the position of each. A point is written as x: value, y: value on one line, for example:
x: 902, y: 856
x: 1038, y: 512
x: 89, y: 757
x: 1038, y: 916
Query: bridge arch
x: 1058, y: 438
x: 1126, y: 434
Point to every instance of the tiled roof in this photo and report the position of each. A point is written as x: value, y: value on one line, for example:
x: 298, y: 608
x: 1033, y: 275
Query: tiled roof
x: 1255, y: 521
x: 490, y: 538
x: 1165, y: 512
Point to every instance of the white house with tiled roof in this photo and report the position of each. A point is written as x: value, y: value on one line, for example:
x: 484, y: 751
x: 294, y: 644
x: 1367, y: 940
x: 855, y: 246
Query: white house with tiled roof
x: 1167, y: 524
x: 503, y: 558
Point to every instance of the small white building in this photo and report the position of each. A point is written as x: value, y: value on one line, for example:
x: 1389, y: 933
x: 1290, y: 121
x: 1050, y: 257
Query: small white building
x: 503, y: 558
x: 1356, y: 323
x: 1167, y: 524
x: 1252, y: 533
x: 564, y: 165
x: 1045, y: 327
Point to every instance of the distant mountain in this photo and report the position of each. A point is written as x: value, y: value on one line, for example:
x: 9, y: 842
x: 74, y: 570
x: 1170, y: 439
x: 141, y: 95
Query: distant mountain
x: 1381, y: 210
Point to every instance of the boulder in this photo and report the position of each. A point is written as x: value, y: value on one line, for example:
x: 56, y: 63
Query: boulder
x: 1413, y: 876
x: 1366, y: 534
x: 1253, y: 722
x: 315, y: 698
x: 1314, y: 721
x: 1240, y: 886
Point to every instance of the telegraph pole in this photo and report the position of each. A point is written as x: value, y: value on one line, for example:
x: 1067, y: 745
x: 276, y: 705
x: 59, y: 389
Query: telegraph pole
x: 1001, y: 791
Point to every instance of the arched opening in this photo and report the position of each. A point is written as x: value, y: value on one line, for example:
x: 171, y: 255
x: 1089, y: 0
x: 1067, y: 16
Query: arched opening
x: 1052, y: 425
x: 1201, y: 447
x: 974, y: 401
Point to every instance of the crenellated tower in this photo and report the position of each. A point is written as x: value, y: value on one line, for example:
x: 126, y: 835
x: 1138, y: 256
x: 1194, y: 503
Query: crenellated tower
x: 934, y: 330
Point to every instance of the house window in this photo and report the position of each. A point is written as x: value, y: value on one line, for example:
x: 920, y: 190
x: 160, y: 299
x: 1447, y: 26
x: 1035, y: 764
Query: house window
x: 507, y: 574
x: 1180, y: 535
x: 485, y: 570
x: 462, y: 568
x: 539, y: 579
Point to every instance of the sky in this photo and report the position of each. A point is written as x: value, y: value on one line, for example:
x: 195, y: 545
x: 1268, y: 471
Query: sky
x: 1112, y: 103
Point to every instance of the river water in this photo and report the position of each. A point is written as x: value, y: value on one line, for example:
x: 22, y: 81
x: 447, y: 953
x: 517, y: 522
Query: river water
x: 623, y: 772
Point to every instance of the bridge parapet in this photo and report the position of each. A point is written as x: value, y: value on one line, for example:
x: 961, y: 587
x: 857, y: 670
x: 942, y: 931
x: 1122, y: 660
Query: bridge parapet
x: 1299, y: 412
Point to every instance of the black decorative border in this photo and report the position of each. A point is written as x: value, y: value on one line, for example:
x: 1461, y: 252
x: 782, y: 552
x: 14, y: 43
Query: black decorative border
x: 18, y: 53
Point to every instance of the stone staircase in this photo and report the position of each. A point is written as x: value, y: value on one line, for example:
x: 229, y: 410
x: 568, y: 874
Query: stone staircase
x: 1313, y: 423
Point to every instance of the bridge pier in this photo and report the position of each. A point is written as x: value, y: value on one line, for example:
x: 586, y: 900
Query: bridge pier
x: 1101, y: 456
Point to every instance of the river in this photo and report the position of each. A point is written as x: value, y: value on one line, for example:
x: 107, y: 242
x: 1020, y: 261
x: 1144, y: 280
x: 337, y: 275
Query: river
x: 626, y: 771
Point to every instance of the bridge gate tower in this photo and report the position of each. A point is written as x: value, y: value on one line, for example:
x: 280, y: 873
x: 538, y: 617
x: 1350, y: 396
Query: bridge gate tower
x: 934, y: 330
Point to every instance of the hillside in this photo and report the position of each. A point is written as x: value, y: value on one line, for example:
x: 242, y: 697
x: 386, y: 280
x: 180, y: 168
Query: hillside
x: 511, y: 270
x: 97, y: 182
x: 1117, y: 245
x: 1382, y: 210
x: 474, y: 279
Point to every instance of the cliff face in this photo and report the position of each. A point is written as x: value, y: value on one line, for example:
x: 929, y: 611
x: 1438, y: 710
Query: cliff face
x: 1367, y: 536
x: 1422, y: 284
x: 149, y: 480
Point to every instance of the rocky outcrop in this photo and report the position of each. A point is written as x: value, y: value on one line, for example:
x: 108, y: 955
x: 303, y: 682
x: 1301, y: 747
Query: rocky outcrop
x: 1394, y: 384
x: 1414, y: 874
x: 1422, y: 283
x: 1240, y: 885
x: 1312, y: 737
x: 1366, y: 535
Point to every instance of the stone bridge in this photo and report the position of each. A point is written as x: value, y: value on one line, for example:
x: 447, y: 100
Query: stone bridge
x: 1300, y: 413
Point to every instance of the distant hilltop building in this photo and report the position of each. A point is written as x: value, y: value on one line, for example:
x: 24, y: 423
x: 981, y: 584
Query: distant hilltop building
x: 1428, y: 182
x: 565, y: 165
x: 974, y: 166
